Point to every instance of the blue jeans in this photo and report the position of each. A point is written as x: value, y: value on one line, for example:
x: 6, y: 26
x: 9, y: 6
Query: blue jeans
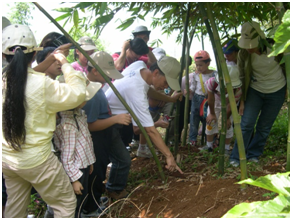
x: 265, y: 107
x: 195, y: 117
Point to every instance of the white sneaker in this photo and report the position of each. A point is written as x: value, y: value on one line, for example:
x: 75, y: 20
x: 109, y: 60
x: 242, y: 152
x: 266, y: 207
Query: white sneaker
x: 144, y: 152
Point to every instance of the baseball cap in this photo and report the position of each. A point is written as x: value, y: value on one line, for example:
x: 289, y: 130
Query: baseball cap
x: 18, y: 35
x: 91, y: 87
x: 230, y: 47
x: 158, y: 52
x: 250, y: 35
x: 234, y: 76
x: 86, y: 43
x: 171, y: 68
x: 141, y: 29
x: 5, y: 22
x: 106, y: 63
x: 201, y: 55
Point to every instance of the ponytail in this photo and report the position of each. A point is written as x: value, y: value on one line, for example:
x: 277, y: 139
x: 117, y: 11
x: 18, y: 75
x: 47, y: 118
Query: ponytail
x: 13, y: 114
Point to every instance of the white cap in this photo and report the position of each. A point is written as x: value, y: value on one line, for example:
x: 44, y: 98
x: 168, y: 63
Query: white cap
x: 158, y: 52
x: 234, y: 76
x: 171, y: 68
x: 86, y: 43
x: 106, y: 63
x: 91, y: 87
x: 250, y: 35
x: 18, y: 35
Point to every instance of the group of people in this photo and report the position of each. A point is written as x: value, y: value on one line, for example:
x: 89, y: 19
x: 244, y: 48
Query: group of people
x: 63, y: 125
x: 259, y: 86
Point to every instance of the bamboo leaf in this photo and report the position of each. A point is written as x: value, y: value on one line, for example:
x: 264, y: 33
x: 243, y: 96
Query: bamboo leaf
x: 83, y: 5
x: 103, y: 8
x: 102, y: 20
x: 127, y: 23
x: 76, y: 18
x: 63, y: 9
x: 63, y: 16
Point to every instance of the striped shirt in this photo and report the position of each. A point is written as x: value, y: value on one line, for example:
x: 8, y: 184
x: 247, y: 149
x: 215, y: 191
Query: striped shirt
x: 73, y: 139
x: 213, y: 86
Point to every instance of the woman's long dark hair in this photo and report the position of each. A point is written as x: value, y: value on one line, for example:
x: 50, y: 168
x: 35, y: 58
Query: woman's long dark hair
x: 13, y: 109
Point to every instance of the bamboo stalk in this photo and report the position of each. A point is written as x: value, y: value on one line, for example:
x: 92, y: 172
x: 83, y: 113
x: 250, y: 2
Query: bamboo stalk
x: 180, y: 77
x: 287, y: 66
x: 113, y: 88
x: 215, y: 40
x: 232, y: 102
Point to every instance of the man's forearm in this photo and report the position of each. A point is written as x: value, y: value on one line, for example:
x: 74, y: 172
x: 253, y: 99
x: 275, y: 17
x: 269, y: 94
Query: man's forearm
x: 154, y: 94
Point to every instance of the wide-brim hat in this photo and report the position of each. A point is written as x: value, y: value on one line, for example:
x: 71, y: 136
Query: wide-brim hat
x: 234, y: 76
x: 18, y: 35
x: 106, y: 63
x: 251, y: 33
x: 86, y: 43
x: 141, y: 29
x: 91, y: 87
x: 171, y: 68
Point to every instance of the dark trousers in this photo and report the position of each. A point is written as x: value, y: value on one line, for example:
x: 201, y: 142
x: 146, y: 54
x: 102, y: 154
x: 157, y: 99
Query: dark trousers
x: 108, y: 147
x: 84, y: 181
x: 127, y: 134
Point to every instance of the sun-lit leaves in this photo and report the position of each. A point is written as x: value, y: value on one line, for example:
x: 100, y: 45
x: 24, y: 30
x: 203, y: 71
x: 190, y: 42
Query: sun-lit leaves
x: 282, y: 35
x: 76, y: 18
x: 63, y: 9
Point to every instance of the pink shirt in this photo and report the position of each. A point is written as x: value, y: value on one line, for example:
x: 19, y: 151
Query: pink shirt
x: 73, y: 139
x: 78, y: 67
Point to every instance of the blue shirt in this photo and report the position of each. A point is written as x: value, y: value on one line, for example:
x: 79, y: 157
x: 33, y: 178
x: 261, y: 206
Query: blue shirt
x: 97, y: 107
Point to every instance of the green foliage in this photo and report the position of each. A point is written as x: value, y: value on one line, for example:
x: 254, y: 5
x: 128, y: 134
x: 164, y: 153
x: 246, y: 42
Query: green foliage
x: 277, y: 207
x: 21, y: 13
x: 37, y: 205
x: 282, y: 36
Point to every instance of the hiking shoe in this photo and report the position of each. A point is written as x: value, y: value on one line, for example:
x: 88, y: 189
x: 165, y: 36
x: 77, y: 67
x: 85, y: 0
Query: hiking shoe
x: 144, y: 152
x: 234, y: 163
x: 97, y: 213
x: 134, y: 144
x: 118, y: 194
x: 253, y: 160
x: 210, y: 149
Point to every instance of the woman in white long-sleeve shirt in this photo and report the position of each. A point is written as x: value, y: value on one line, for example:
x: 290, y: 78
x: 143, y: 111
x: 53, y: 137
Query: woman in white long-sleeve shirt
x: 30, y: 102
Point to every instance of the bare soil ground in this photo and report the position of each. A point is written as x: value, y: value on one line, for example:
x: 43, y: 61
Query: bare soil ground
x: 198, y: 193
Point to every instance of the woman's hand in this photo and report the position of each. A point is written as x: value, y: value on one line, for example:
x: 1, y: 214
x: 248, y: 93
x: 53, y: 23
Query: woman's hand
x: 77, y: 187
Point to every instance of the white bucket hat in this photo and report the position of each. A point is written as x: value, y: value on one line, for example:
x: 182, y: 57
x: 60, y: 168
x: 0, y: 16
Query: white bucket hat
x: 234, y: 76
x: 171, y: 68
x: 106, y: 63
x: 250, y: 35
x: 86, y: 43
x: 18, y: 35
x: 141, y: 29
x: 91, y: 87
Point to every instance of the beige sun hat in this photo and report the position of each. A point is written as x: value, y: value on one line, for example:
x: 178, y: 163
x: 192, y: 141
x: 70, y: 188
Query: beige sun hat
x: 86, y: 43
x: 106, y: 63
x: 91, y: 87
x: 158, y: 52
x: 250, y: 35
x: 171, y: 68
x: 18, y: 35
x: 234, y: 76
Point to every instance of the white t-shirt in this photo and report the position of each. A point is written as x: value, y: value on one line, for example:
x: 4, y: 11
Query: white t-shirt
x: 133, y: 89
x: 267, y: 74
x: 196, y: 83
